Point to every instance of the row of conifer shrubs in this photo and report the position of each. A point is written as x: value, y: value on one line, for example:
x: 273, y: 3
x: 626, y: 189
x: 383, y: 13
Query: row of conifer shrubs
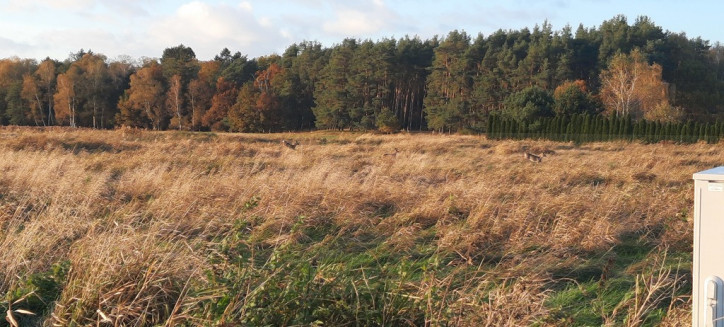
x: 597, y: 128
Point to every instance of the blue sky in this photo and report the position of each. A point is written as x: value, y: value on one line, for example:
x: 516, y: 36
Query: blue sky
x: 143, y: 28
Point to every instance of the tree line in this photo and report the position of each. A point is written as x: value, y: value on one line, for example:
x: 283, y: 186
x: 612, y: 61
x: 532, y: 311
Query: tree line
x: 456, y: 83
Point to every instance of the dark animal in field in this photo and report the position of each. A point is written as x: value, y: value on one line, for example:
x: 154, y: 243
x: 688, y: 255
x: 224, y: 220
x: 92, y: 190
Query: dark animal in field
x: 532, y: 157
x: 292, y: 146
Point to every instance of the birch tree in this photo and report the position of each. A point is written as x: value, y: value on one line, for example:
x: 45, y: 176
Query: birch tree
x: 31, y: 94
x: 47, y: 77
x: 66, y: 96
x: 95, y: 82
x: 174, y: 99
x: 630, y: 86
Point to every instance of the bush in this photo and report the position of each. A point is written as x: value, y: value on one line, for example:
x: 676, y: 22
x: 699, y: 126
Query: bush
x: 529, y: 104
x: 387, y: 122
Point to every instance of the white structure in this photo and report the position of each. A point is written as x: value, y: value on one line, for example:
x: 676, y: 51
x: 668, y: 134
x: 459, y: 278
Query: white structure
x: 708, y: 270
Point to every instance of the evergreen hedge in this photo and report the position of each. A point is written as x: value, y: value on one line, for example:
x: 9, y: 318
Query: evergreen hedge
x: 596, y: 128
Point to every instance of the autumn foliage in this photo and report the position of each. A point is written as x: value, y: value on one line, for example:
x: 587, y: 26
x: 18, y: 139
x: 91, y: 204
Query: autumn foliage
x: 454, y: 83
x: 143, y: 105
x: 221, y: 102
x: 632, y: 87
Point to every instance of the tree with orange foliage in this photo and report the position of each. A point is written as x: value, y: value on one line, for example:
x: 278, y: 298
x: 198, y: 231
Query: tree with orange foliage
x: 13, y: 105
x: 142, y: 104
x: 630, y: 86
x: 244, y: 116
x: 94, y: 82
x: 47, y: 79
x: 174, y: 100
x: 201, y: 91
x: 269, y: 83
x: 224, y: 98
x: 66, y: 96
x: 31, y: 94
x: 259, y: 105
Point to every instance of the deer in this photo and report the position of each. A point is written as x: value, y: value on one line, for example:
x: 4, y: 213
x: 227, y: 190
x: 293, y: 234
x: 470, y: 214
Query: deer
x: 532, y: 157
x: 292, y: 146
x: 392, y: 154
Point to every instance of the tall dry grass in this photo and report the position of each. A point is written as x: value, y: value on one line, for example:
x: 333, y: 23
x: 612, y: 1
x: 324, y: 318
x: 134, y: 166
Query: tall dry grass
x: 137, y: 217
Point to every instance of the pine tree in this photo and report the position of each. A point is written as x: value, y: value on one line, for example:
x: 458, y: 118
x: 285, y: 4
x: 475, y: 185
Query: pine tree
x: 629, y: 128
x: 677, y: 132
x: 332, y: 92
x: 613, y: 130
x: 621, y: 134
x: 598, y: 130
x: 498, y: 127
x: 649, y: 134
x: 683, y: 134
x: 547, y: 128
x: 504, y: 129
x: 578, y: 128
x: 688, y: 132
x: 587, y: 129
x: 569, y: 131
x: 637, y: 131
x: 447, y: 102
x: 659, y: 131
x: 667, y: 132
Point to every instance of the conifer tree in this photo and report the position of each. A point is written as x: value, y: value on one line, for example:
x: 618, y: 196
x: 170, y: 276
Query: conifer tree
x: 447, y: 102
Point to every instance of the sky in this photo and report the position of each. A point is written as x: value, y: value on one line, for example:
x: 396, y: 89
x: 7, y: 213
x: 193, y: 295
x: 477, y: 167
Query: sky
x: 144, y: 28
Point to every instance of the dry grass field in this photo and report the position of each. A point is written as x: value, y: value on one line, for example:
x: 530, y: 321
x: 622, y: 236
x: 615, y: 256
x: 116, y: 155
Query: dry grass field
x: 140, y: 228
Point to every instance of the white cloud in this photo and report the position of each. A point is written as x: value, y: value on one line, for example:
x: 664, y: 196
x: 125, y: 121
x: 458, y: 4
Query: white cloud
x: 265, y: 21
x: 208, y: 28
x: 10, y: 48
x: 40, y: 28
x: 360, y: 19
x: 55, y: 4
x: 352, y: 22
x: 127, y: 8
x: 59, y: 44
x: 254, y: 27
x: 246, y: 5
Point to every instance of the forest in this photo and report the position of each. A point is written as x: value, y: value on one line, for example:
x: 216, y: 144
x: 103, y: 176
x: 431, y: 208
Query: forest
x: 460, y: 83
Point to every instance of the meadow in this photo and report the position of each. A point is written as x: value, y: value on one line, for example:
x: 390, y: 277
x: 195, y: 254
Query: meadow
x: 141, y: 228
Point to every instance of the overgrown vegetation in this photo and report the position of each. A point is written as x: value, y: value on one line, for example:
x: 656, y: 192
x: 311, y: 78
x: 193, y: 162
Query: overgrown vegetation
x: 143, y: 228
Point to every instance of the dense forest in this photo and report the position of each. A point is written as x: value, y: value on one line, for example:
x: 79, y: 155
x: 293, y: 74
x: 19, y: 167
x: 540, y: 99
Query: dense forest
x: 454, y: 83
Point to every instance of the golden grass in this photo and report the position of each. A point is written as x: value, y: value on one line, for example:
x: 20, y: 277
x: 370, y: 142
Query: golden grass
x: 136, y: 213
